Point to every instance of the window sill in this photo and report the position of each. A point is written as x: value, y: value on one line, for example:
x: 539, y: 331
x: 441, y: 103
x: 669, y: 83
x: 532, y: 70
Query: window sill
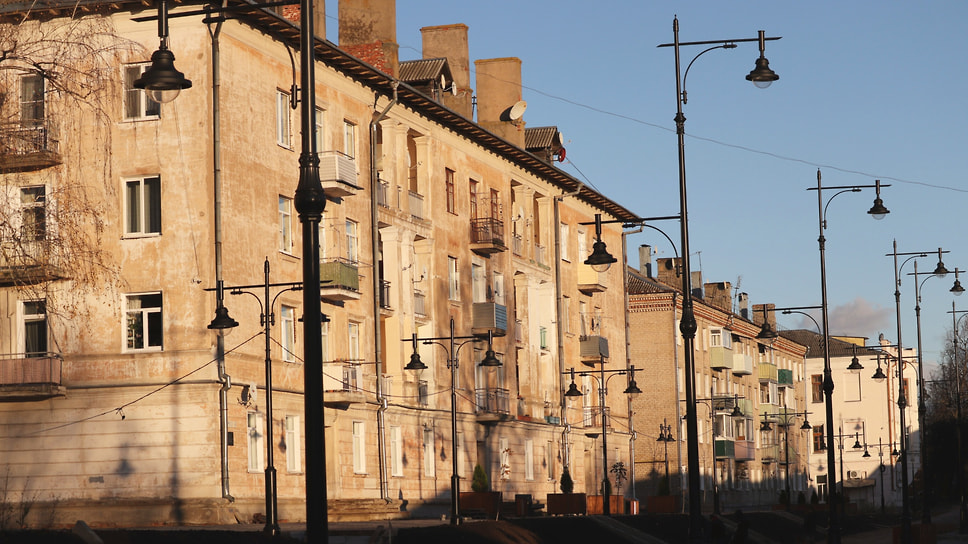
x: 140, y: 235
x: 140, y: 119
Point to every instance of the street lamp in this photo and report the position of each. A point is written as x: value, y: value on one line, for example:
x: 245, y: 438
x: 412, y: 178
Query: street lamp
x: 877, y: 211
x: 957, y: 289
x: 963, y: 508
x: 266, y: 318
x: 453, y: 362
x: 857, y: 446
x: 161, y: 81
x: 787, y: 416
x: 940, y: 270
x: 736, y: 412
x: 631, y: 389
x: 665, y: 436
x: 761, y: 76
x: 880, y: 456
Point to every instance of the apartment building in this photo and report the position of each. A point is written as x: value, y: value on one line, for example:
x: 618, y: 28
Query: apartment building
x: 119, y: 405
x: 749, y: 394
x: 867, y: 436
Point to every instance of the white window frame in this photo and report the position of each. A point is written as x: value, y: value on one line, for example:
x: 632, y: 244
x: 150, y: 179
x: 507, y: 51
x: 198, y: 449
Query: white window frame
x: 33, y: 216
x: 478, y: 281
x: 453, y: 278
x: 146, y: 314
x: 33, y: 109
x: 352, y: 241
x: 349, y: 138
x: 287, y: 331
x: 283, y: 119
x: 498, y: 283
x: 396, y: 451
x: 359, y: 447
x: 285, y: 225
x: 293, y: 444
x: 505, y: 451
x: 256, y: 441
x: 550, y: 460
x: 319, y: 121
x: 529, y: 459
x: 461, y: 456
x: 33, y: 312
x: 136, y: 189
x: 137, y: 106
x: 353, y: 333
x: 324, y: 332
x: 565, y: 241
x: 429, y: 453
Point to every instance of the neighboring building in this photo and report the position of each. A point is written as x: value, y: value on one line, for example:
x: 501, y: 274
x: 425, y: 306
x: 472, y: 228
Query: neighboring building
x: 740, y: 384
x: 117, y: 404
x: 866, y: 414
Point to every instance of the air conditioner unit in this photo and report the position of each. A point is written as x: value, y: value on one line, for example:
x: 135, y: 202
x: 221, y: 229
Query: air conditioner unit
x: 852, y: 474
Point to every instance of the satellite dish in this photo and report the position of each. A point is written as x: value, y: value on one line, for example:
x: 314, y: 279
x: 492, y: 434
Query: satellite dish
x: 561, y: 138
x: 453, y: 88
x: 517, y: 110
x: 443, y: 82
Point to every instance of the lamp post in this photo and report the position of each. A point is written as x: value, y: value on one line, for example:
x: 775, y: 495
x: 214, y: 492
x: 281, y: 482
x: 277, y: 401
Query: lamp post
x: 963, y: 499
x: 877, y: 211
x: 266, y: 318
x: 787, y: 415
x: 631, y: 389
x: 940, y: 270
x: 881, y: 468
x: 762, y: 76
x: 665, y: 436
x: 163, y: 83
x: 857, y: 446
x: 710, y: 403
x: 957, y: 290
x: 453, y: 362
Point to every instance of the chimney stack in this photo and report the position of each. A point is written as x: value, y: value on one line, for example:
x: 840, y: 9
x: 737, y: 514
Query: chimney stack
x: 645, y: 260
x: 770, y: 314
x: 450, y: 42
x: 368, y: 31
x: 498, y: 90
x: 292, y: 12
x: 719, y: 295
x: 666, y: 271
x: 744, y: 305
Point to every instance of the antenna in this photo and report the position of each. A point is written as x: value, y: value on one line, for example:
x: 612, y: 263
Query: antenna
x: 517, y: 111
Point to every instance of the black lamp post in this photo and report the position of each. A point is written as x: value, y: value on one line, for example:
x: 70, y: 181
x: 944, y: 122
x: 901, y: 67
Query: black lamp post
x: 665, y: 436
x: 762, y: 76
x: 453, y: 362
x: 266, y: 318
x: 940, y: 270
x: 877, y: 211
x: 787, y: 416
x: 631, y: 389
x: 957, y: 290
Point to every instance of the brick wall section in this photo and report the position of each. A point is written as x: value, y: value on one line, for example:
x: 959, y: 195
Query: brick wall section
x: 374, y: 54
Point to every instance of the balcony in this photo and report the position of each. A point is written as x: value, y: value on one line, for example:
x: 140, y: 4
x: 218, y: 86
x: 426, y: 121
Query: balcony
x: 592, y: 417
x: 767, y: 372
x: 784, y: 377
x: 350, y: 392
x: 592, y: 349
x: 742, y: 364
x: 340, y: 280
x: 745, y: 450
x: 419, y: 303
x: 337, y: 173
x: 383, y: 194
x: 590, y: 281
x: 540, y: 255
x: 769, y: 454
x: 385, y: 295
x: 28, y: 148
x: 766, y: 410
x: 27, y: 263
x: 491, y: 404
x: 720, y: 358
x: 487, y: 236
x: 724, y: 403
x: 517, y: 244
x: 746, y: 406
x: 489, y: 316
x: 416, y: 201
x: 724, y: 448
x: 30, y: 377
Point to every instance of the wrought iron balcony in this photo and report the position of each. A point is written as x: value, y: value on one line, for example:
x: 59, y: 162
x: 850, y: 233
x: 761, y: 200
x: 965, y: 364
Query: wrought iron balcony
x: 28, y: 147
x: 487, y: 236
x: 491, y: 404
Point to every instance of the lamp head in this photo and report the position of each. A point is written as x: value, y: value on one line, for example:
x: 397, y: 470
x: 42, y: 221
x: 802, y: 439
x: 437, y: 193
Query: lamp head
x: 633, y: 388
x: 878, y: 211
x: 940, y: 270
x: 761, y: 75
x: 806, y: 426
x: 415, y: 362
x: 957, y: 289
x: 737, y: 411
x: 879, y: 375
x: 161, y: 81
x: 600, y: 260
x: 767, y: 332
x: 573, y: 391
x: 866, y: 454
x: 765, y: 426
x: 222, y: 320
x: 855, y: 364
x: 490, y: 359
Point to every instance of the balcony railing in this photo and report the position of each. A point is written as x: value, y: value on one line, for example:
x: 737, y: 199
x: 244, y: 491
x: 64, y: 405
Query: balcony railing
x: 383, y: 193
x: 784, y: 377
x: 419, y: 303
x: 416, y: 205
x: 517, y: 244
x: 385, y: 294
x: 28, y: 147
x: 745, y: 450
x: 541, y: 255
x: 487, y: 235
x: 30, y: 376
x: 592, y: 416
x: 492, y: 401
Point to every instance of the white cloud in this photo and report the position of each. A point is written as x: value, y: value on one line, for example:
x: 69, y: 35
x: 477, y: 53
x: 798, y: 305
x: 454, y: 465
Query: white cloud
x: 856, y: 318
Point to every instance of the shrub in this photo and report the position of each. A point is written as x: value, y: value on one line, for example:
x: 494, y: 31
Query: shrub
x: 566, y: 483
x: 479, y: 482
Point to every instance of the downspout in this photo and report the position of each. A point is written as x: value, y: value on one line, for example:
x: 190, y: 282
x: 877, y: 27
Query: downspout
x: 377, y: 334
x: 223, y: 378
x: 628, y: 350
x: 559, y: 326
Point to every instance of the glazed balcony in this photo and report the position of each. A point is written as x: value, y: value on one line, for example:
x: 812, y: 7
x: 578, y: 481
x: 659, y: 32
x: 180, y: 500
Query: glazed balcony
x: 489, y: 316
x: 725, y: 448
x: 26, y: 377
x: 767, y: 372
x: 337, y: 173
x: 487, y: 236
x: 784, y: 377
x: 720, y: 358
x: 25, y: 148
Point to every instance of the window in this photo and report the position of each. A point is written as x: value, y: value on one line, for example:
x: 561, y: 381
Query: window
x: 396, y: 451
x: 287, y: 317
x: 142, y: 206
x: 423, y: 394
x: 33, y: 214
x: 453, y: 279
x: 35, y: 328
x: 430, y: 467
x: 32, y: 100
x: 550, y: 460
x: 851, y: 381
x: 478, y: 282
x: 256, y: 442
x: 816, y: 387
x: 352, y: 241
x: 529, y: 459
x: 285, y: 224
x: 566, y: 313
x: 495, y: 204
x: 359, y: 447
x: 320, y: 122
x: 324, y: 332
x: 283, y: 136
x: 293, y: 445
x: 137, y: 103
x: 474, y: 187
x: 565, y: 242
x: 349, y: 139
x: 461, y: 455
x: 144, y: 322
x: 449, y: 186
x: 822, y: 487
x: 818, y: 444
x: 353, y: 337
x: 498, y: 282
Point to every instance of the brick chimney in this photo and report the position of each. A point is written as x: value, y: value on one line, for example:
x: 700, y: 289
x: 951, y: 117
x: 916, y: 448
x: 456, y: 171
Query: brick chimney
x: 450, y: 42
x: 758, y: 311
x: 292, y: 12
x: 744, y: 305
x: 368, y: 31
x: 719, y: 295
x: 666, y: 271
x: 499, y: 88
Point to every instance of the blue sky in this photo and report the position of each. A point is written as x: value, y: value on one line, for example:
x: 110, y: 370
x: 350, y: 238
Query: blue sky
x: 867, y: 90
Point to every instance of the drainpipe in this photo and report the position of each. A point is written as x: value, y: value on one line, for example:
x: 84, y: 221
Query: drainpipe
x: 377, y: 334
x: 223, y: 378
x: 559, y: 326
